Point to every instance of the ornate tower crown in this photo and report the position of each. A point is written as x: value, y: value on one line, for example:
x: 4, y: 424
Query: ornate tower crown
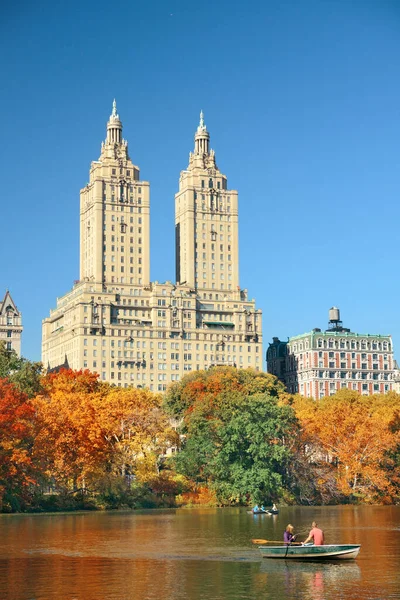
x: 202, y: 138
x: 114, y: 127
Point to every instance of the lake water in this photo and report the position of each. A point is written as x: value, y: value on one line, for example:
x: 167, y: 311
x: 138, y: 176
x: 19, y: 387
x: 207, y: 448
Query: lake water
x: 194, y: 554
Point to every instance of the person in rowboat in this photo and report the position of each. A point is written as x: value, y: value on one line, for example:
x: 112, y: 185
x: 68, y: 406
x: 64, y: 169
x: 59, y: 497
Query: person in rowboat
x: 256, y: 509
x: 316, y: 535
x: 288, y: 536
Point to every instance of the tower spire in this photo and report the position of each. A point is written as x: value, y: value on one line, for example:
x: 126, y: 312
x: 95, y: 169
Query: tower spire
x: 202, y: 137
x: 201, y: 124
x: 114, y: 126
x: 114, y: 113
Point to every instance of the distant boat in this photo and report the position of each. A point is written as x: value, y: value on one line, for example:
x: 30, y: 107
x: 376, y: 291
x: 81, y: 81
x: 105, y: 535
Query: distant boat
x: 267, y: 511
x: 311, y: 552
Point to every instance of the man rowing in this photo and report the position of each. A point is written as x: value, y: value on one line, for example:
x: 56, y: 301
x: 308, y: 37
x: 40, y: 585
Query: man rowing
x: 316, y: 535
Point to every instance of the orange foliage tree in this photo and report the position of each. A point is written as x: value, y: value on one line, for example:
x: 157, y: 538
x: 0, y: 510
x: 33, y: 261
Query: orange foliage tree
x: 16, y: 439
x: 214, y: 384
x: 89, y: 432
x: 354, y: 435
x: 69, y: 441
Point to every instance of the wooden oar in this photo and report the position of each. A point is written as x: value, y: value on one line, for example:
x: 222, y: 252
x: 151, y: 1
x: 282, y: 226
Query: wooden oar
x: 258, y: 541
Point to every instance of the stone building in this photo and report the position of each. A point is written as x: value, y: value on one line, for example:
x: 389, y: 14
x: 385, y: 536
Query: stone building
x: 319, y: 363
x: 132, y: 331
x: 10, y: 324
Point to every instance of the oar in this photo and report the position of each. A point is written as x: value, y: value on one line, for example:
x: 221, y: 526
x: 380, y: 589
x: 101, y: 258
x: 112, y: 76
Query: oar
x: 258, y: 541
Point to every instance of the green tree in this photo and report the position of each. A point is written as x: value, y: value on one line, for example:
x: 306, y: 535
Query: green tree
x: 23, y: 373
x: 235, y: 428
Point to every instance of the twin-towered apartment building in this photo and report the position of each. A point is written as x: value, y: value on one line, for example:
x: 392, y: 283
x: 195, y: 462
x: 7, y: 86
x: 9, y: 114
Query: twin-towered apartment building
x: 132, y: 331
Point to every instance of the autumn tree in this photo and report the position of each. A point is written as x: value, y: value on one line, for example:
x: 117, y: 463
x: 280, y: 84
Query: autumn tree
x: 69, y: 440
x: 235, y: 425
x: 16, y: 440
x: 91, y: 435
x: 136, y: 430
x: 215, y: 381
x: 354, y: 435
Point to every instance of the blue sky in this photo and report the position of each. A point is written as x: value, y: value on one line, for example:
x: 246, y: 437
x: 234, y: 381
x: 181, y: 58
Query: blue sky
x: 302, y: 100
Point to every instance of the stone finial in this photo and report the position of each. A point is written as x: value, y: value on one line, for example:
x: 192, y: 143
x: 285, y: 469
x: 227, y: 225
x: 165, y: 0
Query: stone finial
x: 114, y: 113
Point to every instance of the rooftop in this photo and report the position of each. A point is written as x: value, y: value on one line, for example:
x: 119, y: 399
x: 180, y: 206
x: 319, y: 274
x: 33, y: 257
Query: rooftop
x: 347, y: 334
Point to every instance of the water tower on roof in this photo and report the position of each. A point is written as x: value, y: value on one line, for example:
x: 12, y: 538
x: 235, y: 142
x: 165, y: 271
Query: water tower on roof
x: 335, y: 324
x: 334, y: 315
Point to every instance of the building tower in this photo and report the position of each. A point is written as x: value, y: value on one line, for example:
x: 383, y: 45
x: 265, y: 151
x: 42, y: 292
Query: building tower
x: 206, y: 222
x: 10, y: 324
x: 135, y: 332
x: 115, y: 216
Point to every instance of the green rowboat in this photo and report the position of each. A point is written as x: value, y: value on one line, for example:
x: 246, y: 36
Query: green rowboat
x: 311, y: 552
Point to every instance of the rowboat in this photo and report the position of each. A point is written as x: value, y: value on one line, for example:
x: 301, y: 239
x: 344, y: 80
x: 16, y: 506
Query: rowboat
x: 311, y: 552
x: 268, y: 511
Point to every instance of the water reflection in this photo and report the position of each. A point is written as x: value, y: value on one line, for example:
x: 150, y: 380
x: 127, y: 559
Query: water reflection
x: 313, y: 579
x: 193, y: 555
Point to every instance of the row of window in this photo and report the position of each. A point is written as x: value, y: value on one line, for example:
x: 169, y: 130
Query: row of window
x: 141, y: 363
x: 351, y: 375
x: 164, y: 345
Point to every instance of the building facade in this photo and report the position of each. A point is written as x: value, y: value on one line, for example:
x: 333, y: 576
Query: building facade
x: 319, y: 363
x: 10, y: 324
x: 132, y: 331
x: 396, y: 378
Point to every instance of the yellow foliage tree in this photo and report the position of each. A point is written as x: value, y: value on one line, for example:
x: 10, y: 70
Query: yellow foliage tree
x: 354, y: 434
x: 135, y: 429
